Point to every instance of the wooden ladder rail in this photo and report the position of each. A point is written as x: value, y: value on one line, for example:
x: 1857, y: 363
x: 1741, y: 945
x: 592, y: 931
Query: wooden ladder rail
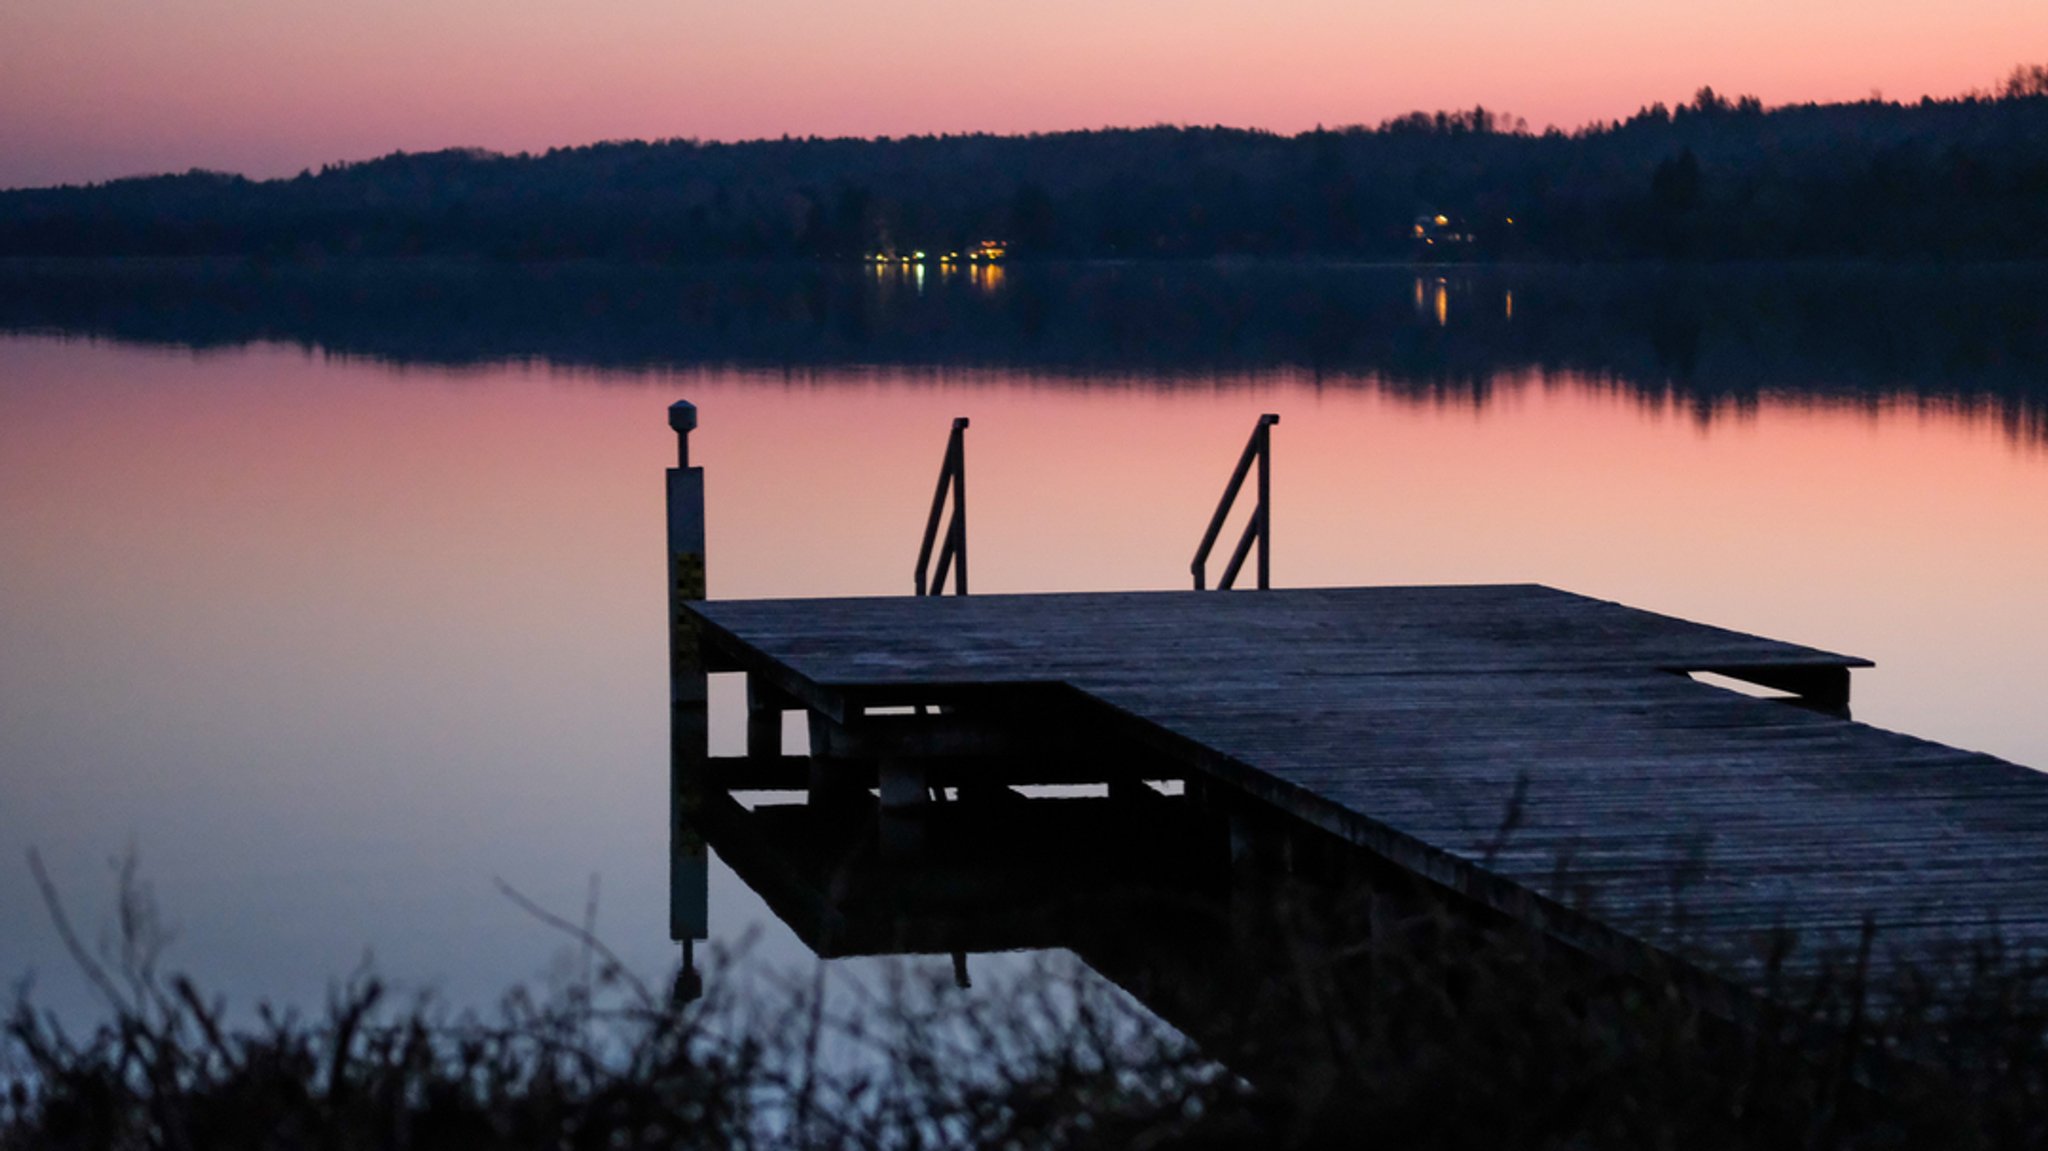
x: 953, y: 552
x: 1259, y: 528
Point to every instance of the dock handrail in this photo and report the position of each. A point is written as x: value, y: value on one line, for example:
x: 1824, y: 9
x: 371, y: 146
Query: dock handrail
x: 1259, y: 528
x: 953, y: 473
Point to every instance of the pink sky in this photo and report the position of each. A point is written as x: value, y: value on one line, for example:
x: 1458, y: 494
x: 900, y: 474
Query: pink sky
x: 93, y: 89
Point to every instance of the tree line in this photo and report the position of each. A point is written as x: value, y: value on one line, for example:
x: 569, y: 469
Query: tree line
x: 1711, y: 178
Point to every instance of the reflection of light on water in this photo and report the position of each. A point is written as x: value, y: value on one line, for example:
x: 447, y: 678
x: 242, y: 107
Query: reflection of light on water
x: 1443, y: 304
x: 1507, y: 306
x: 987, y: 277
x: 1420, y: 302
x: 919, y: 276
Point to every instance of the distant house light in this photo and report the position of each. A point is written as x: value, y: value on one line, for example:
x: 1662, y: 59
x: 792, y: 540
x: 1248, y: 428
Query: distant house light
x: 1442, y: 220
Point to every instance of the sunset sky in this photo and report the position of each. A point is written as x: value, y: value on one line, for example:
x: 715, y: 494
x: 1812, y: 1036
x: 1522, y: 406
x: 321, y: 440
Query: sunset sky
x: 94, y: 89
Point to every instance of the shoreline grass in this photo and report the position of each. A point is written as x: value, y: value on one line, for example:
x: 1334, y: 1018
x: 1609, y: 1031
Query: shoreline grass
x: 1328, y: 1016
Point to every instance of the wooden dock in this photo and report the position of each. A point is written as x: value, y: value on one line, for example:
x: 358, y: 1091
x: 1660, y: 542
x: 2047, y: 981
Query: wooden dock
x: 1539, y: 752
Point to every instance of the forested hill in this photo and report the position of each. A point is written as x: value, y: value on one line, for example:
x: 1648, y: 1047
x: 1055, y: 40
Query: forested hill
x: 1711, y: 179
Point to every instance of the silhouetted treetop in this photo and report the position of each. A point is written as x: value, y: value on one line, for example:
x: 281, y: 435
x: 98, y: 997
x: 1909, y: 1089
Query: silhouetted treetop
x: 2027, y: 81
x: 1713, y: 177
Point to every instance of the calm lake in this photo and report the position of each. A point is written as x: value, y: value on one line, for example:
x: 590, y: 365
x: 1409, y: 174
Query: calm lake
x: 334, y: 594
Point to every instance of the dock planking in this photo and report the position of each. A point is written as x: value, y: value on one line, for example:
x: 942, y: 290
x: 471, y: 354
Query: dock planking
x: 1651, y: 813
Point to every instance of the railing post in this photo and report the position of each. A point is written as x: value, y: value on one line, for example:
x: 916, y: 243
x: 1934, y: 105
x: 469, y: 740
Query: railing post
x: 689, y: 734
x: 685, y: 557
x: 958, y: 540
x: 953, y: 546
x: 1265, y: 512
x: 1258, y: 529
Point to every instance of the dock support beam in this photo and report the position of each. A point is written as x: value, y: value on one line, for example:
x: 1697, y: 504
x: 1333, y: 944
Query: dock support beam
x: 906, y: 796
x: 838, y: 773
x: 765, y: 705
x: 689, y: 730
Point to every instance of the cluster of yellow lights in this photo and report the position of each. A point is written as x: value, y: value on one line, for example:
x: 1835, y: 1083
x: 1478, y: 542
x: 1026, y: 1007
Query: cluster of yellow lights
x: 1441, y: 221
x: 988, y: 251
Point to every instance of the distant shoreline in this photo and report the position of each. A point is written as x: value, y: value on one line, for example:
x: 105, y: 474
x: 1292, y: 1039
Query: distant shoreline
x: 316, y: 265
x: 1714, y: 180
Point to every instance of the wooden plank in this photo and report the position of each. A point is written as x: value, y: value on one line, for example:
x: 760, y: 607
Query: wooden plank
x: 1410, y: 720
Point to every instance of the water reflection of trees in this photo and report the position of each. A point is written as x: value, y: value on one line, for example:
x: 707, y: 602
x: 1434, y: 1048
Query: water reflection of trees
x: 1712, y: 339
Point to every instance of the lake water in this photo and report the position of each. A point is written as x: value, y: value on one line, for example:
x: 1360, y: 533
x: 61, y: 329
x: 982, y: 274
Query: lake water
x: 336, y: 595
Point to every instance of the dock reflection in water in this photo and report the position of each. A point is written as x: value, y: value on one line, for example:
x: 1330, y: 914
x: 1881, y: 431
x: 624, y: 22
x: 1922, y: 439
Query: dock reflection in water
x: 1145, y: 886
x: 1139, y: 876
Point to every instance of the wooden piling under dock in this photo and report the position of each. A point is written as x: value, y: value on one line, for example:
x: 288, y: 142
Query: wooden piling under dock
x: 1540, y: 752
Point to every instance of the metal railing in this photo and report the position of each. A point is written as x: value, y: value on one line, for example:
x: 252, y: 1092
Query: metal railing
x: 1259, y: 528
x: 953, y: 552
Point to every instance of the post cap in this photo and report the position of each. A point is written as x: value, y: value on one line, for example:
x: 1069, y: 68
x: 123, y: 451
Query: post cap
x: 682, y: 416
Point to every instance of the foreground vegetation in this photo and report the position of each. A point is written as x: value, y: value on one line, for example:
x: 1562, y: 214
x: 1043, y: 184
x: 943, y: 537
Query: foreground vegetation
x: 1711, y: 178
x: 1323, y: 1018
